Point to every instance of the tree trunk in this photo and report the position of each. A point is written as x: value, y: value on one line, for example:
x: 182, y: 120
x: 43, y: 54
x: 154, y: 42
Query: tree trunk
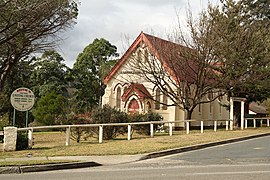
x: 189, y: 114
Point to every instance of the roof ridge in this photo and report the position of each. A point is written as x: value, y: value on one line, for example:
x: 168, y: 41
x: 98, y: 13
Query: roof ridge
x: 152, y: 36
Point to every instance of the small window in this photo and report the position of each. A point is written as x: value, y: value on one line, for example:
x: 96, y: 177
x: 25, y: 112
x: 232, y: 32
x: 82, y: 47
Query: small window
x: 220, y: 97
x: 210, y: 96
x: 118, y: 98
x: 157, y: 104
x: 165, y: 102
x: 140, y: 57
x: 148, y: 107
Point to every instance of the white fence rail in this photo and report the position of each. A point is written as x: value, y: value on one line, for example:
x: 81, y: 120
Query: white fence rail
x: 129, y: 127
x: 254, y: 120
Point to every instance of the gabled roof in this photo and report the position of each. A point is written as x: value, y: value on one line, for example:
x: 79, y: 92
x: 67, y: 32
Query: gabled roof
x: 167, y: 52
x: 258, y: 109
x: 139, y: 89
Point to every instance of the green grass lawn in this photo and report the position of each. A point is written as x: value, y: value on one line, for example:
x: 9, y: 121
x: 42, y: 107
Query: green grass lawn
x: 53, y: 143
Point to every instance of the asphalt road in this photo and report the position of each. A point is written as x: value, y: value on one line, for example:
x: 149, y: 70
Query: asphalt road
x: 243, y: 160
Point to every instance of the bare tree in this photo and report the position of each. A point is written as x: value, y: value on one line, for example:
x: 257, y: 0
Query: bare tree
x: 182, y: 72
x: 221, y: 54
x: 27, y: 26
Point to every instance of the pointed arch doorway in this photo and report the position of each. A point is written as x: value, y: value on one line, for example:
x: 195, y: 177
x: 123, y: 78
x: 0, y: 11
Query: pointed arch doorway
x: 133, y: 106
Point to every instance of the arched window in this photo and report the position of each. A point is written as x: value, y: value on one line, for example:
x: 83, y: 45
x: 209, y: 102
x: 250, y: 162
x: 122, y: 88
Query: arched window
x: 118, y: 98
x: 157, y: 103
x: 148, y: 107
x: 165, y: 102
x: 220, y: 97
x: 210, y: 98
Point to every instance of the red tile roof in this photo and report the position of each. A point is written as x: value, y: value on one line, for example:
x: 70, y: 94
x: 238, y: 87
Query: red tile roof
x: 171, y: 55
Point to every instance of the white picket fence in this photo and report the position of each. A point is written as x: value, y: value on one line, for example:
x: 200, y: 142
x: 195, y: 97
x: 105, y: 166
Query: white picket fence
x: 129, y: 127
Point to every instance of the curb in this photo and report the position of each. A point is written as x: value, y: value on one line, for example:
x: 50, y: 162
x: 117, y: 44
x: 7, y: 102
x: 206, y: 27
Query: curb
x: 199, y: 146
x: 49, y: 167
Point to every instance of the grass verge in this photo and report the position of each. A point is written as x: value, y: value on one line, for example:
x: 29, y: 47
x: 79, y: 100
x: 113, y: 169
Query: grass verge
x: 53, y: 144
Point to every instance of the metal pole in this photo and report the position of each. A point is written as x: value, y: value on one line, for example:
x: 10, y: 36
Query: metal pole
x: 26, y: 119
x: 14, y: 116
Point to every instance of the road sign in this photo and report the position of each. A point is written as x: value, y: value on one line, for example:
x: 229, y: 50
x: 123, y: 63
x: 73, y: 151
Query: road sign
x: 22, y: 99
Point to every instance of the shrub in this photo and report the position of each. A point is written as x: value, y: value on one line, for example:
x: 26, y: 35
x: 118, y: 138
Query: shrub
x: 110, y: 115
x: 80, y: 132
x: 3, y: 121
x: 22, y: 141
x: 50, y: 109
x: 144, y: 129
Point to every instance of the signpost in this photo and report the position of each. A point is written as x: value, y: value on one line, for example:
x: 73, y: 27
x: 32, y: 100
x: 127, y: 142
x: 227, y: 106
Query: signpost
x: 22, y: 99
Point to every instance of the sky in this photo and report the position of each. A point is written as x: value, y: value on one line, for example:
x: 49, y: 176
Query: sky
x: 121, y: 21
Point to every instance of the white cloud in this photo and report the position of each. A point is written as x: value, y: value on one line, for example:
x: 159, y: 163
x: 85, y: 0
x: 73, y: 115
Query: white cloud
x: 112, y: 19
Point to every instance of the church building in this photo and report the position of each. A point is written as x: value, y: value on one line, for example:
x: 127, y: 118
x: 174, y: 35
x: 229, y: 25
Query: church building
x: 127, y: 91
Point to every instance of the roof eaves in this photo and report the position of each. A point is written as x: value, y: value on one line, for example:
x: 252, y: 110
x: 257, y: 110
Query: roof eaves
x: 123, y: 59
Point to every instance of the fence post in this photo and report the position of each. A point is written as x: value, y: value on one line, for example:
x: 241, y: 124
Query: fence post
x: 231, y: 124
x: 254, y: 123
x: 231, y: 113
x: 30, y: 138
x: 242, y: 114
x: 187, y: 127
x: 68, y: 136
x: 100, y: 134
x: 246, y: 121
x: 201, y: 126
x: 129, y: 132
x: 170, y: 129
x: 215, y: 125
x: 151, y: 130
x: 267, y: 122
x: 227, y: 125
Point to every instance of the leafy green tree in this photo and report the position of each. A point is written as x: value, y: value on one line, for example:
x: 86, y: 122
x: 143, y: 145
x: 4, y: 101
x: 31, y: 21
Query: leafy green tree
x: 27, y: 26
x: 50, y: 109
x: 49, y: 74
x: 257, y: 11
x: 88, y: 71
x: 242, y: 46
x: 20, y: 77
